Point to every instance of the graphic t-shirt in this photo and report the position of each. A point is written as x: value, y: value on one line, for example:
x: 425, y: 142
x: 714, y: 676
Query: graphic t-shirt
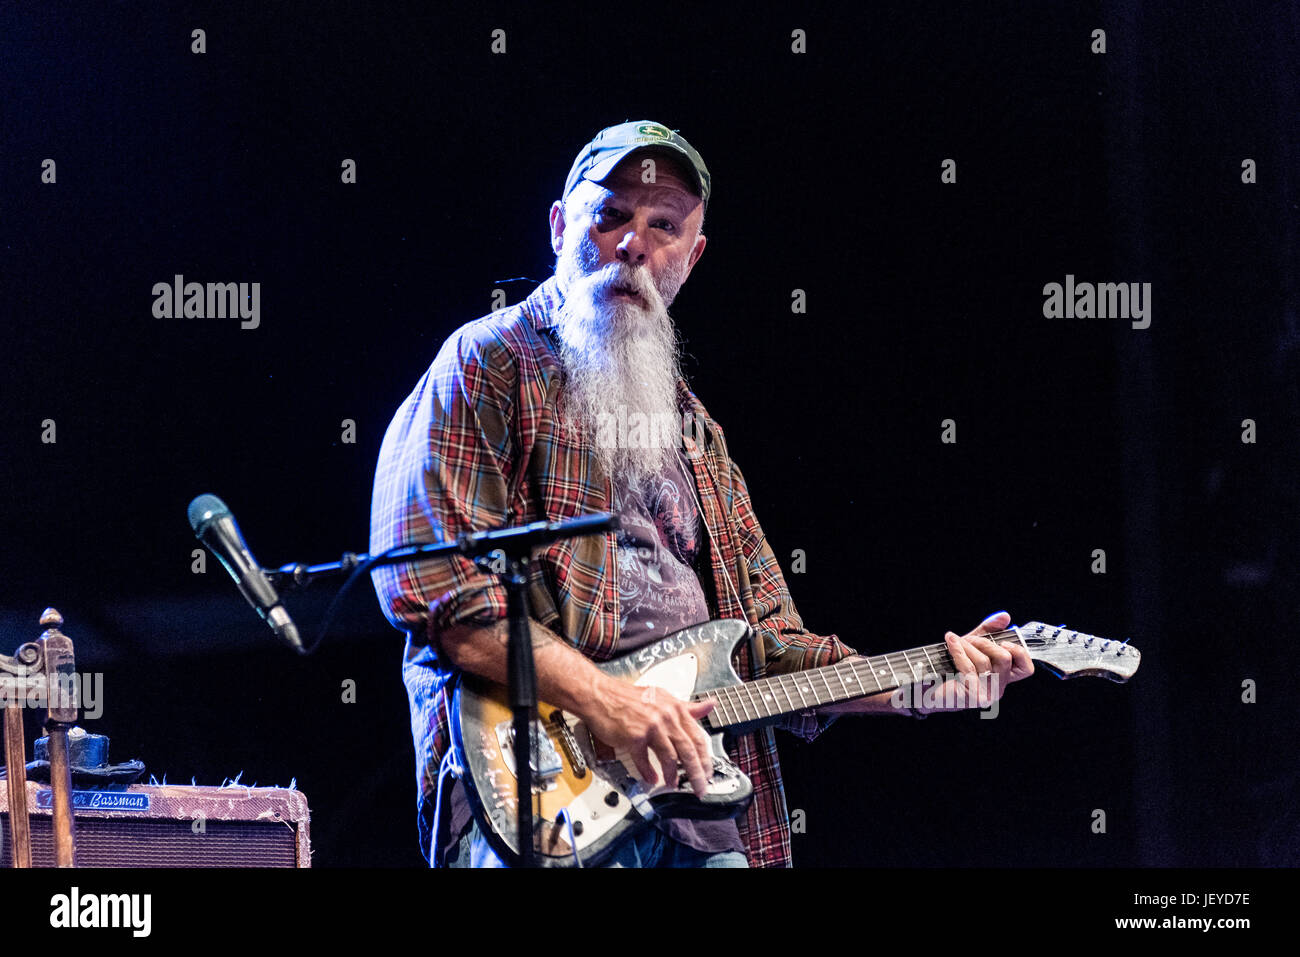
x: 658, y: 593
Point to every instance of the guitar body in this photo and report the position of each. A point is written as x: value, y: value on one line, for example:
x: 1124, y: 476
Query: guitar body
x: 580, y: 786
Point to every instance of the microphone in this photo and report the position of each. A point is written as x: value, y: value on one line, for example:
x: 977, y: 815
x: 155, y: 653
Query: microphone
x: 215, y: 527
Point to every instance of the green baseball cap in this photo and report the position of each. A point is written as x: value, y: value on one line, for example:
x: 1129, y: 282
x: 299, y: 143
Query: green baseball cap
x: 611, y: 145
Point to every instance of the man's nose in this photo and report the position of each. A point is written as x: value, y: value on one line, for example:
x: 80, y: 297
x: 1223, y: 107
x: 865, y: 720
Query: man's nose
x: 632, y: 248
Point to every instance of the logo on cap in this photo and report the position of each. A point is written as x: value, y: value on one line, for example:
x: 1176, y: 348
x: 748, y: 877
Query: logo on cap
x: 650, y: 129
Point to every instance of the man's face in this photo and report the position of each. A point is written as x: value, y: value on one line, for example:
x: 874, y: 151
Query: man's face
x: 652, y: 230
x: 623, y: 250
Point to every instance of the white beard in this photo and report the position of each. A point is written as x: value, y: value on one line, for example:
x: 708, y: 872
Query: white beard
x: 621, y: 360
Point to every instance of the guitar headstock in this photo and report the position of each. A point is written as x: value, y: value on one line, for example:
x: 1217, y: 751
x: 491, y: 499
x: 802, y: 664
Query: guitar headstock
x: 1070, y: 654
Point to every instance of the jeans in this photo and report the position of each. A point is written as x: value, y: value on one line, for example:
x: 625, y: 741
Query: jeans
x: 649, y: 847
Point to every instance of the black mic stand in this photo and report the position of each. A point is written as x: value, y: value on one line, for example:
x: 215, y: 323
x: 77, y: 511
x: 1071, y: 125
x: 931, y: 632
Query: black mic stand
x: 485, y: 549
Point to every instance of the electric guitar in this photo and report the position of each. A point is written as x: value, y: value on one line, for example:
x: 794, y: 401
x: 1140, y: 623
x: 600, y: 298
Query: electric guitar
x: 586, y: 797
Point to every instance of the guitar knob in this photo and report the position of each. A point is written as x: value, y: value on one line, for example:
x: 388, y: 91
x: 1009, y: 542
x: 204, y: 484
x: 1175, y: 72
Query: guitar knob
x: 612, y: 799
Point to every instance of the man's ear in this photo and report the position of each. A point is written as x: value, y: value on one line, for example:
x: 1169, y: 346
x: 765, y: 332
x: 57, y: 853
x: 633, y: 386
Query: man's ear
x: 557, y: 226
x: 696, y: 252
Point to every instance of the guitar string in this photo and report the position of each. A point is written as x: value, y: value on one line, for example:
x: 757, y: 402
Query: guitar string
x: 855, y: 665
x: 741, y: 699
x: 754, y: 700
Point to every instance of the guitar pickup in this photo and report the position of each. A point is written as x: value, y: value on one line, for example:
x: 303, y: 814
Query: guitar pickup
x: 569, y: 743
x: 545, y: 760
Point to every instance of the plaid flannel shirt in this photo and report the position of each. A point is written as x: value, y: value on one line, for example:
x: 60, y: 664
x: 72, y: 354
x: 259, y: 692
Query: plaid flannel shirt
x: 475, y: 447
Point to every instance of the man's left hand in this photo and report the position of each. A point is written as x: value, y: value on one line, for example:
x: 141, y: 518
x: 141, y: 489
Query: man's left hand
x: 984, y: 669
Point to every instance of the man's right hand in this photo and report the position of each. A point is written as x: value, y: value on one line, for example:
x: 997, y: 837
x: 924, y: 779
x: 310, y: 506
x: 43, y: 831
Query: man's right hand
x: 640, y: 720
x: 631, y: 719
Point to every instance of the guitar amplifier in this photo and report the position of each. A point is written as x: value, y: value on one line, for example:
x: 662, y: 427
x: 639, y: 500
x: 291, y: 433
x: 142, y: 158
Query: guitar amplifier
x: 171, y: 826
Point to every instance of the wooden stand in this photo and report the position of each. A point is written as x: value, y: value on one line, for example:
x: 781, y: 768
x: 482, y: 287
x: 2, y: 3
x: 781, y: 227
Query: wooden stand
x: 44, y: 669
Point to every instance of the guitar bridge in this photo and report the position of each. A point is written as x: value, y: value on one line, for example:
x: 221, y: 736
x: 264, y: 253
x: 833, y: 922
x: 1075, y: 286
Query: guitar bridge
x: 545, y: 760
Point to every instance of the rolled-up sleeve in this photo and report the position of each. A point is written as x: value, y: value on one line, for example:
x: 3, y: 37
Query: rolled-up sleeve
x: 443, y: 471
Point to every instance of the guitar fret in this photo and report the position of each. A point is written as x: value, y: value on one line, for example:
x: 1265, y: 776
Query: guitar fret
x: 724, y: 706
x: 787, y: 691
x: 897, y: 683
x: 839, y: 673
x: 858, y: 667
x: 829, y: 695
x: 858, y: 672
x: 752, y: 701
x: 915, y: 677
x: 802, y: 700
x: 744, y: 705
x: 733, y: 701
x: 933, y: 669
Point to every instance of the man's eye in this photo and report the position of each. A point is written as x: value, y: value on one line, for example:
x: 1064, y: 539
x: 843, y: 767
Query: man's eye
x: 667, y: 225
x: 610, y: 212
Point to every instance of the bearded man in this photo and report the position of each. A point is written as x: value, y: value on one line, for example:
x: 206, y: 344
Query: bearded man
x: 514, y: 423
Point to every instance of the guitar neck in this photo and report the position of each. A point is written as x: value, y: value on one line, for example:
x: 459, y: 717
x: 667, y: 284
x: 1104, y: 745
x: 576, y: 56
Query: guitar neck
x: 769, y: 699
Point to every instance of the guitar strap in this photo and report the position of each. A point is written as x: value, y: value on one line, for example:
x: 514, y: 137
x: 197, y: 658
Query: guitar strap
x: 703, y: 563
x: 757, y: 652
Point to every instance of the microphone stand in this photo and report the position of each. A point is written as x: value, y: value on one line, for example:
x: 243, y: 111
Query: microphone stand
x: 487, y: 550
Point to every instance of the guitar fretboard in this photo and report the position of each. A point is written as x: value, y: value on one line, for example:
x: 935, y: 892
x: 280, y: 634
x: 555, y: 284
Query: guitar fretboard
x: 769, y: 699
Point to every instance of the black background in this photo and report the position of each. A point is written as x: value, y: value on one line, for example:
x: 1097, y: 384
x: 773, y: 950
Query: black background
x: 924, y: 303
